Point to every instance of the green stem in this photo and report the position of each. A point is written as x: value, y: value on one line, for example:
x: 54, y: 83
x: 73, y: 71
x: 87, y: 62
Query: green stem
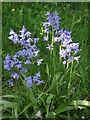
x: 67, y: 64
x: 60, y: 54
x: 69, y: 84
x: 52, y: 36
x: 52, y: 52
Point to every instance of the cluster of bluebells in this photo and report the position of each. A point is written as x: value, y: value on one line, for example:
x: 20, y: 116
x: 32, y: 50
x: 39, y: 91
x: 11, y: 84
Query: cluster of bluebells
x: 29, y: 51
x: 69, y: 49
x: 62, y: 37
x: 34, y: 78
x: 53, y: 21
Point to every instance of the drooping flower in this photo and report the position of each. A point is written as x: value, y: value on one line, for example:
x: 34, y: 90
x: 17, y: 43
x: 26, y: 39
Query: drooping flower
x: 39, y: 62
x: 18, y: 64
x: 28, y: 62
x: 21, y: 71
x: 15, y: 75
x: 63, y: 53
x: 11, y: 82
x: 29, y: 81
x: 50, y: 47
x: 23, y: 30
x: 76, y: 58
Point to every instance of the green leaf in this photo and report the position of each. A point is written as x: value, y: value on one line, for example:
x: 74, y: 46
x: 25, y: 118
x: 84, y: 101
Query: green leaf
x: 8, y: 96
x: 49, y: 99
x: 64, y: 109
x: 8, y: 104
x: 83, y: 102
x: 66, y: 106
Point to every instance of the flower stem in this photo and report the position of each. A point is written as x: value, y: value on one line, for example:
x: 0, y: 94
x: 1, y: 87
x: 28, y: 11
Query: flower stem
x: 69, y: 84
x: 60, y: 54
x: 53, y: 52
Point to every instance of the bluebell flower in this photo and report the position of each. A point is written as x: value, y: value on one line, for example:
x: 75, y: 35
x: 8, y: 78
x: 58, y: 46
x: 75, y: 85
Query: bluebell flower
x: 22, y: 53
x: 38, y: 74
x: 28, y: 62
x: 50, y: 47
x: 50, y: 18
x: 46, y: 29
x: 11, y: 82
x: 39, y: 82
x: 35, y: 52
x: 76, y: 47
x: 29, y: 81
x: 46, y: 38
x: 36, y: 77
x: 11, y: 37
x: 29, y: 40
x: 29, y: 50
x: 7, y: 66
x: 39, y: 62
x: 63, y: 53
x: 32, y: 47
x: 15, y: 75
x: 21, y: 71
x: 36, y: 40
x: 22, y: 36
x: 18, y: 64
x: 12, y: 63
x: 8, y: 57
x: 29, y: 53
x: 56, y: 17
x: 11, y: 32
x: 22, y: 41
x: 55, y: 39
x: 28, y: 34
x: 76, y: 58
x: 70, y: 58
x: 14, y: 37
x: 23, y: 30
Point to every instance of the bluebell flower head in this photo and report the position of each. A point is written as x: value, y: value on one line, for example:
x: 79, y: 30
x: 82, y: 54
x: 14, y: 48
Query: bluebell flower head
x: 18, y: 64
x: 11, y: 82
x: 28, y: 62
x: 36, y: 40
x: 29, y: 81
x: 35, y: 52
x: 46, y: 38
x: 63, y: 53
x: 39, y: 82
x: 28, y: 34
x: 15, y: 75
x: 39, y: 62
x: 76, y: 58
x: 50, y: 47
x: 23, y: 30
x: 11, y: 32
x: 7, y: 67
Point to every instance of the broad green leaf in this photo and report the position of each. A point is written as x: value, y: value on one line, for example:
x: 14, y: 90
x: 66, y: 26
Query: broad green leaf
x: 64, y: 109
x: 72, y: 105
x: 8, y: 104
x: 82, y: 103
